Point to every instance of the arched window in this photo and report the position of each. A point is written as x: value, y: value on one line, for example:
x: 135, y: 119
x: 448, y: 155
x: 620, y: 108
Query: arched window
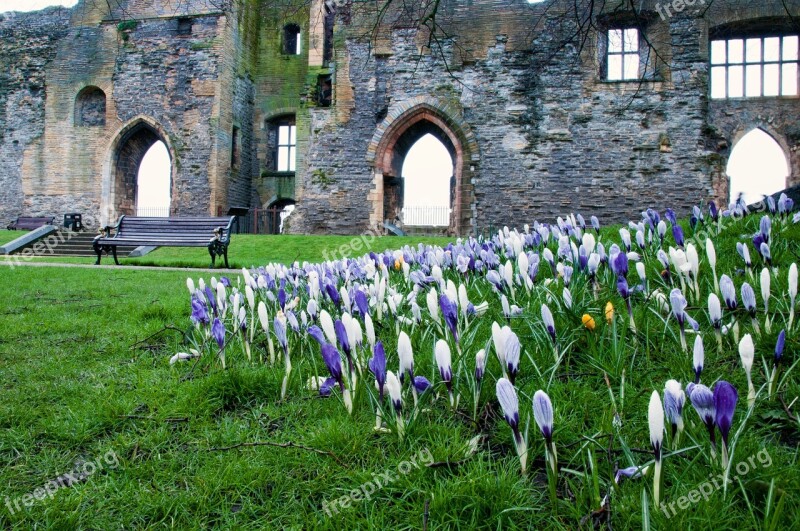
x: 90, y: 107
x: 292, y: 43
x: 757, y: 167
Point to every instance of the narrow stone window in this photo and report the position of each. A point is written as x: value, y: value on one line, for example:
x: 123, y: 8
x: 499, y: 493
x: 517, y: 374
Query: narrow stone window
x: 324, y: 90
x: 327, y: 43
x: 622, y: 55
x: 235, y: 149
x: 90, y: 108
x: 754, y: 67
x: 184, y: 26
x: 292, y: 43
x: 282, y: 146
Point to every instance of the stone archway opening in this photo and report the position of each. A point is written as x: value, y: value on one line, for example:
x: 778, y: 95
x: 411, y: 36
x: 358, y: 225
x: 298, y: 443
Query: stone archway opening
x: 757, y: 167
x: 133, y: 192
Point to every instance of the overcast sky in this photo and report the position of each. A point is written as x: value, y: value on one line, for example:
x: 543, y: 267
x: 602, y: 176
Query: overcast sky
x: 32, y: 5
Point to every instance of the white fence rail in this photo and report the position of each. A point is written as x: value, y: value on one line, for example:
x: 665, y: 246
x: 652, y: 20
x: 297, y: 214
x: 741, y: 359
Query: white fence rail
x: 426, y: 216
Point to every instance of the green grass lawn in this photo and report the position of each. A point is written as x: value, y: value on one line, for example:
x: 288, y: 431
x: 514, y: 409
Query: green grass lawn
x: 8, y: 235
x: 85, y: 379
x: 253, y: 250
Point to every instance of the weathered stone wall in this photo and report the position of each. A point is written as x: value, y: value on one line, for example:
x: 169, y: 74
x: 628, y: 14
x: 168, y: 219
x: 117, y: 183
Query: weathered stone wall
x: 534, y: 129
x: 28, y: 42
x: 553, y: 136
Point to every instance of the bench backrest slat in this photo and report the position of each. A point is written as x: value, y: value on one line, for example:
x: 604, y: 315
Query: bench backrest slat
x: 180, y: 230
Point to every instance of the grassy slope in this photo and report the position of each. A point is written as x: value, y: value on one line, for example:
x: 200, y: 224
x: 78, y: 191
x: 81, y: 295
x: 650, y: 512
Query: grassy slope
x: 75, y: 386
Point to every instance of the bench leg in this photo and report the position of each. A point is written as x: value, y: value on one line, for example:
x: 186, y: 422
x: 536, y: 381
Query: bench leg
x: 97, y: 251
x: 114, y: 252
x: 226, y: 259
x: 213, y: 256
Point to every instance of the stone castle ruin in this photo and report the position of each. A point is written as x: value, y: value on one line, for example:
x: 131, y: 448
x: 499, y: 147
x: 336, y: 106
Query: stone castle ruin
x: 545, y: 108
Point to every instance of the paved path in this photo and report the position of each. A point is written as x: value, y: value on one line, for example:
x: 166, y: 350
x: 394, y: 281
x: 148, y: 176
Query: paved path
x: 23, y: 263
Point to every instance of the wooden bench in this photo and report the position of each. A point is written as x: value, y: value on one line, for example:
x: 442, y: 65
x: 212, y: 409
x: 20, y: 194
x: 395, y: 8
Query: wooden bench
x: 213, y: 233
x: 30, y: 223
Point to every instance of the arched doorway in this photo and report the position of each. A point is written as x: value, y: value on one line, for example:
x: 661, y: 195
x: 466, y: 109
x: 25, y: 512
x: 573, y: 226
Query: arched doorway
x: 121, y: 194
x: 757, y: 167
x: 277, y: 212
x: 394, y: 137
x: 427, y: 184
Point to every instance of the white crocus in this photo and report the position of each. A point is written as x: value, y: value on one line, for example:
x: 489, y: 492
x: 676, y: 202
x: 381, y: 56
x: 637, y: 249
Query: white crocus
x: 432, y: 300
x: 263, y: 318
x: 747, y: 354
x: 370, y: 331
x: 190, y: 286
x: 765, y: 283
x: 792, y: 293
x: 655, y: 418
x: 326, y: 322
x: 711, y: 253
x: 393, y: 388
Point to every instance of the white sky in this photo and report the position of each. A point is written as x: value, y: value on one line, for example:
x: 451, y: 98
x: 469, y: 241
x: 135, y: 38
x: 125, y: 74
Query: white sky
x: 427, y: 169
x: 757, y: 167
x: 32, y: 5
x: 153, y: 187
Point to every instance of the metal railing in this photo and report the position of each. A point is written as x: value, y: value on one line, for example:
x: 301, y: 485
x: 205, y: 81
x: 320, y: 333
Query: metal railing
x: 426, y: 216
x: 152, y: 212
x: 261, y: 221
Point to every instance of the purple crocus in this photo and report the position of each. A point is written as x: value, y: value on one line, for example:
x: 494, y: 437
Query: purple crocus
x: 670, y: 215
x: 327, y: 387
x: 362, y: 303
x: 341, y: 336
x: 330, y: 289
x: 725, y: 398
x: 212, y: 299
x: 199, y: 312
x: 317, y: 333
x: 421, y: 384
x: 218, y: 331
x: 621, y: 264
x: 779, y: 345
x: 333, y: 361
x: 677, y: 233
x: 282, y: 298
x: 378, y: 367
x: 631, y: 472
x: 450, y: 315
x: 702, y: 400
x: 712, y: 210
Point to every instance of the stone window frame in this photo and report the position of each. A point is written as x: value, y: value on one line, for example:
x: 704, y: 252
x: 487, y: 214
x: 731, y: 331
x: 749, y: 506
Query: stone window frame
x: 748, y: 63
x: 650, y: 68
x: 81, y: 99
x: 292, y: 35
x: 183, y: 26
x: 275, y: 124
